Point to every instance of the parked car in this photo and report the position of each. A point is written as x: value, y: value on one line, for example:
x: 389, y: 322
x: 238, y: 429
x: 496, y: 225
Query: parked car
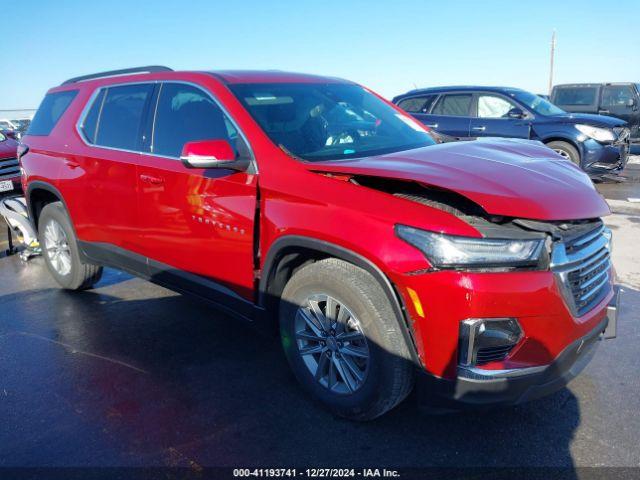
x: 598, y: 144
x: 620, y: 100
x: 9, y: 133
x: 9, y: 169
x: 479, y: 270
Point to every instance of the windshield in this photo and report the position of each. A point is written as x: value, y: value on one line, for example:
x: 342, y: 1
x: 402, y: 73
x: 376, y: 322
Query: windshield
x: 329, y: 121
x: 538, y: 104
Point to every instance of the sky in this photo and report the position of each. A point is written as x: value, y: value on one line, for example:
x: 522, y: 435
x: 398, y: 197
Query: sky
x: 389, y: 46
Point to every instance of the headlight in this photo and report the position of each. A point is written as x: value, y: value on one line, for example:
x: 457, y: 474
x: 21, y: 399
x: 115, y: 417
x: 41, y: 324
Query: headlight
x: 599, y: 134
x: 448, y: 251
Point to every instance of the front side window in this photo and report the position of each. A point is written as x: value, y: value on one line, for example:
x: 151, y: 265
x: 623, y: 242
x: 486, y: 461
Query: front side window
x: 329, y: 121
x: 120, y: 116
x: 576, y: 96
x: 2, y: 137
x: 617, y: 96
x: 417, y: 104
x: 491, y: 106
x: 536, y: 103
x: 187, y: 114
x: 456, y: 105
x: 50, y: 112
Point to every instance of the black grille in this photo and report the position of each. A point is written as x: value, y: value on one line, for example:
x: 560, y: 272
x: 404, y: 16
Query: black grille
x: 492, y: 354
x: 9, y: 168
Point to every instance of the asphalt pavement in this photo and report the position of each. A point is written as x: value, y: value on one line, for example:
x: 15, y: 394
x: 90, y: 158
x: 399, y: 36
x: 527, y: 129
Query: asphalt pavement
x: 131, y: 374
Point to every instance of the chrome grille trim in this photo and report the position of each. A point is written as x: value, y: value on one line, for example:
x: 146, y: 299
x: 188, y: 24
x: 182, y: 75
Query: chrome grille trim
x: 582, y: 268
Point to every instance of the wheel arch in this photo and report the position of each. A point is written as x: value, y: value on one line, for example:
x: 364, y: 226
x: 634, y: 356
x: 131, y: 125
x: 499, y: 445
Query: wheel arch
x: 291, y: 252
x: 38, y: 195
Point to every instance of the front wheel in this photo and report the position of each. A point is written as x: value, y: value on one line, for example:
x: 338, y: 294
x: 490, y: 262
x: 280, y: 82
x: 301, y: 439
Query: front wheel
x: 342, y: 340
x: 60, y: 250
x: 566, y: 151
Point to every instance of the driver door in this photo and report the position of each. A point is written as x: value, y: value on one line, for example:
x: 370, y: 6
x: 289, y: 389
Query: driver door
x: 196, y: 224
x: 491, y: 118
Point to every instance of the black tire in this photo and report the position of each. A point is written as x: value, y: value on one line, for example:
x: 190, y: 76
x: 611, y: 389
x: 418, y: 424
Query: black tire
x: 389, y: 377
x: 566, y: 150
x: 80, y: 276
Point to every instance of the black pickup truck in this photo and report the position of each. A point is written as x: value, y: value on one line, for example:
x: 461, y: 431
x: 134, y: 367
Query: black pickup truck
x: 621, y: 100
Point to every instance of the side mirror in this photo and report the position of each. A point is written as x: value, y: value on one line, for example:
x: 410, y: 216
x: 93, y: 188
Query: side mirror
x: 632, y: 102
x: 211, y: 154
x: 516, y: 113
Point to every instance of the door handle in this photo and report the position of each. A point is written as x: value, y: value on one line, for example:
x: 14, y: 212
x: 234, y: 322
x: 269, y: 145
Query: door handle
x: 70, y: 164
x: 603, y: 111
x: 431, y: 125
x: 152, y: 180
x: 478, y: 129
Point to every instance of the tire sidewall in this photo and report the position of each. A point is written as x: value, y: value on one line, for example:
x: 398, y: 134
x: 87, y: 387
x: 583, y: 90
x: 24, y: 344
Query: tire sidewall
x: 349, y: 405
x: 55, y: 211
x: 569, y: 149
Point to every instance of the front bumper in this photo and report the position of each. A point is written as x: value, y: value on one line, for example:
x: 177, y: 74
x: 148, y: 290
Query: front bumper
x: 478, y: 387
x: 602, y: 159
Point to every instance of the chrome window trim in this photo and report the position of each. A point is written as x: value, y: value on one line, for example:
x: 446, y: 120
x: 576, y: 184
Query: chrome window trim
x: 94, y: 95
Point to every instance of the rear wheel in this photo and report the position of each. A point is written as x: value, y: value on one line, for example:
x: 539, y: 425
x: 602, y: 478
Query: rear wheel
x: 342, y: 340
x: 565, y: 150
x: 60, y: 250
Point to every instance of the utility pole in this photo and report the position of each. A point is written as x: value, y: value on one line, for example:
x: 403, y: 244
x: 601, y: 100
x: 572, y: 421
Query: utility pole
x: 553, y: 52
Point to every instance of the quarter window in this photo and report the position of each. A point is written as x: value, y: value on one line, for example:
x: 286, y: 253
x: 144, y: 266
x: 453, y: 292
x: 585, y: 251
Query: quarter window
x: 187, y: 114
x: 50, y: 111
x: 417, y: 104
x: 120, y: 119
x: 455, y: 105
x: 491, y: 106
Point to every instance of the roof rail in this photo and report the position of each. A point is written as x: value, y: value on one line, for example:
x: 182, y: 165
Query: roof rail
x: 116, y: 73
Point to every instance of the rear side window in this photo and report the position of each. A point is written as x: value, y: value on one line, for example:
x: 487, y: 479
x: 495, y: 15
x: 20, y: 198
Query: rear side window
x: 50, y: 111
x: 90, y: 122
x: 187, y: 114
x: 456, y: 105
x: 417, y: 104
x: 576, y: 96
x: 119, y: 117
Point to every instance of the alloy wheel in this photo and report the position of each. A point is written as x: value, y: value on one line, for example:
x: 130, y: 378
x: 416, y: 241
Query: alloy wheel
x: 331, y: 343
x: 564, y: 154
x: 57, y: 248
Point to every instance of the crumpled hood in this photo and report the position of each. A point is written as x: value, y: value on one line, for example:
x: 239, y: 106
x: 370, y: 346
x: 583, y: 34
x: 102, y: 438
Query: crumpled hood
x: 589, y: 119
x: 514, y: 178
x: 8, y: 148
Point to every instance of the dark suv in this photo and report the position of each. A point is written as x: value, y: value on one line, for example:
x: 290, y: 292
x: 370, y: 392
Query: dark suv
x: 598, y: 144
x: 620, y: 100
x: 479, y: 269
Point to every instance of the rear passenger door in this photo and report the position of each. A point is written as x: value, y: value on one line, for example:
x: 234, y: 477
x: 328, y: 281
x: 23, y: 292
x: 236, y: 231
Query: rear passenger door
x: 492, y: 120
x: 451, y: 115
x: 112, y: 129
x: 197, y: 224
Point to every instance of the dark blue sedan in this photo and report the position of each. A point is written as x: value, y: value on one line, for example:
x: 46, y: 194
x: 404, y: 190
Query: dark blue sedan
x: 598, y: 144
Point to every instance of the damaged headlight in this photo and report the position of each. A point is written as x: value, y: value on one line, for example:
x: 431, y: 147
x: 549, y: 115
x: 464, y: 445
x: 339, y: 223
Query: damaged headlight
x: 598, y: 134
x: 449, y: 251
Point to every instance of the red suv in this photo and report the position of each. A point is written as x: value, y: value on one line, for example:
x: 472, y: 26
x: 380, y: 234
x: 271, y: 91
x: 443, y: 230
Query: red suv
x: 9, y: 169
x: 480, y: 270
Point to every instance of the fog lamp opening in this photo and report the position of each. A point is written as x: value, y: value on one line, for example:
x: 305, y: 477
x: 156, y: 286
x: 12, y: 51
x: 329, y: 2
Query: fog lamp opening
x: 485, y: 340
